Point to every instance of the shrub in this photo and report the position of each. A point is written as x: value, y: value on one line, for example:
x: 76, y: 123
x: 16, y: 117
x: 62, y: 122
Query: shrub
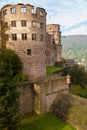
x: 78, y: 75
x: 10, y: 66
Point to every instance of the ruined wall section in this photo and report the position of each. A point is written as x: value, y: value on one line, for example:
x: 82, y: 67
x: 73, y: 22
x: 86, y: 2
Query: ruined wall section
x: 46, y: 92
x: 54, y: 30
x: 40, y: 96
x: 26, y: 98
x: 31, y: 50
x: 49, y: 50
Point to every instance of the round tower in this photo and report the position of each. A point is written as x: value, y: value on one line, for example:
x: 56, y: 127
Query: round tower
x: 54, y: 30
x: 27, y: 36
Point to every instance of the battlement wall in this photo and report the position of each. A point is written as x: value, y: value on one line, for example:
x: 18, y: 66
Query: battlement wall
x: 21, y: 10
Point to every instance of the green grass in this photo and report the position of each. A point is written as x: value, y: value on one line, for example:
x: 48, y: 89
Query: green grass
x: 78, y: 90
x: 45, y: 122
x: 52, y: 69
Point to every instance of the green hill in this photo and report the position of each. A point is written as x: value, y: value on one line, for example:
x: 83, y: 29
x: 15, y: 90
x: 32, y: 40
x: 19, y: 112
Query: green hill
x: 74, y: 46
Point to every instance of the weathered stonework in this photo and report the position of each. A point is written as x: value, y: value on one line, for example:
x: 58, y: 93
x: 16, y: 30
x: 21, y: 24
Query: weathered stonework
x: 47, y: 92
x: 54, y: 31
x: 39, y: 96
x: 50, y: 58
x: 34, y: 63
x: 26, y: 98
x: 38, y: 46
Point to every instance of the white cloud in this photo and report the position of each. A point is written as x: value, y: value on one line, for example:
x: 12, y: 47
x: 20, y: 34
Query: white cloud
x: 81, y: 31
x: 65, y: 12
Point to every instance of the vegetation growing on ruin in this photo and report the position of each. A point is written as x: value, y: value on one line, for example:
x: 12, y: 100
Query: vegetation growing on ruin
x: 72, y: 109
x: 52, y: 69
x: 78, y: 90
x: 78, y: 81
x: 10, y: 68
x: 45, y: 122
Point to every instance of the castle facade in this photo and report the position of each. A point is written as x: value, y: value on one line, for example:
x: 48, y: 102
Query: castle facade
x: 37, y: 44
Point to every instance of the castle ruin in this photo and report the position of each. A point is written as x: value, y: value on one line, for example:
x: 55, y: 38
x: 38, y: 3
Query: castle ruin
x: 37, y: 44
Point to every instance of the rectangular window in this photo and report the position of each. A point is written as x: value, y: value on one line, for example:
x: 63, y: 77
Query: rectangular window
x: 41, y: 37
x: 23, y: 23
x: 34, y: 11
x: 5, y: 11
x: 41, y: 13
x: 34, y: 23
x: 23, y: 9
x: 6, y: 37
x: 33, y: 36
x: 13, y: 10
x: 6, y: 24
x: 28, y: 51
x: 13, y: 23
x: 24, y: 36
x: 41, y: 25
x: 14, y: 37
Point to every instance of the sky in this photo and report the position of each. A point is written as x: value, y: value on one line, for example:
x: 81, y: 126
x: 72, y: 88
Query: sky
x: 71, y: 15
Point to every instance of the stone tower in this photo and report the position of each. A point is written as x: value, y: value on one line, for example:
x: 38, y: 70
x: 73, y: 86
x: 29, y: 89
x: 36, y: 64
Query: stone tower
x: 54, y: 30
x: 27, y: 36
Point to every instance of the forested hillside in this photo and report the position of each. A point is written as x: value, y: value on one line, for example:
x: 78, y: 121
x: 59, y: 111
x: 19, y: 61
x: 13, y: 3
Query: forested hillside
x: 74, y: 46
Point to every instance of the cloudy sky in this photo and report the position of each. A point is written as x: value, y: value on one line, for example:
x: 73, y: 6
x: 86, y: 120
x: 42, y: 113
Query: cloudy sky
x: 70, y: 14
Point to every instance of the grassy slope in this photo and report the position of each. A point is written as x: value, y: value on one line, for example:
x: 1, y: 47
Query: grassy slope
x: 72, y: 109
x: 79, y: 91
x: 45, y: 122
x: 52, y: 69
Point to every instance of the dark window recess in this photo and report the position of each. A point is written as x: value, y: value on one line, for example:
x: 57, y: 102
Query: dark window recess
x: 24, y: 36
x: 23, y: 23
x: 13, y: 23
x: 33, y: 36
x: 6, y: 24
x: 41, y: 25
x: 13, y: 10
x: 28, y: 51
x: 5, y: 11
x: 41, y: 37
x: 6, y: 37
x: 55, y: 48
x: 14, y: 37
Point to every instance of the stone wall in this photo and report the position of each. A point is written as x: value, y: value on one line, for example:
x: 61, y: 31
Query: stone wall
x: 72, y: 109
x: 26, y: 98
x: 30, y: 31
x: 39, y: 96
x: 46, y: 92
x: 50, y: 59
x: 54, y: 31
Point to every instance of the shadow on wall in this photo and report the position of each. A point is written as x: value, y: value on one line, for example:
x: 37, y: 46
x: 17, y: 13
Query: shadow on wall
x: 72, y: 109
x: 61, y: 106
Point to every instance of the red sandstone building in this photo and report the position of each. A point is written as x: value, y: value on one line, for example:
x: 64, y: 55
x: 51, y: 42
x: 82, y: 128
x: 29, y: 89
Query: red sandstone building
x: 37, y: 44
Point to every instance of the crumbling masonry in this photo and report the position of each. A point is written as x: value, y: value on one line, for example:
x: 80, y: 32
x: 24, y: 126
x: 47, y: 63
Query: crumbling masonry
x: 36, y: 44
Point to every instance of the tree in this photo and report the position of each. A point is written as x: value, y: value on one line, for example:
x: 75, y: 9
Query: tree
x: 10, y: 66
x: 78, y: 75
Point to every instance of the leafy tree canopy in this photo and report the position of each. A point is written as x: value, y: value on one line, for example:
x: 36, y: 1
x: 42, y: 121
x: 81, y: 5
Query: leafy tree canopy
x: 10, y: 64
x: 78, y: 75
x: 10, y: 68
